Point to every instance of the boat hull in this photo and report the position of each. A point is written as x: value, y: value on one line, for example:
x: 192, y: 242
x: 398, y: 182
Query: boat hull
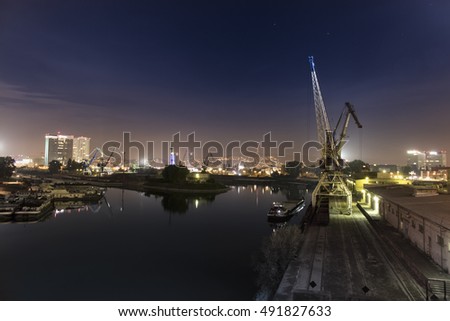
x: 279, y: 218
x: 283, y: 216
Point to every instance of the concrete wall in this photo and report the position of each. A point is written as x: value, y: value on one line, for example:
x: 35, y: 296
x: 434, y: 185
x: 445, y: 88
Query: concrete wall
x: 428, y: 236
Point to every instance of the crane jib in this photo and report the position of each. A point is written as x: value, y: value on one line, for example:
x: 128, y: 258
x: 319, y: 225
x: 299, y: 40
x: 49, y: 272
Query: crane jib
x: 311, y: 63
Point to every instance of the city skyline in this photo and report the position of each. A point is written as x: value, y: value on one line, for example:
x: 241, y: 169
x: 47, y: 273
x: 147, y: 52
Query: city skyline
x: 191, y: 152
x: 226, y: 71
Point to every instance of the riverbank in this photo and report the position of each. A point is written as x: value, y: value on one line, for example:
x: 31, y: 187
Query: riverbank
x: 151, y: 183
x: 144, y: 183
x: 247, y: 180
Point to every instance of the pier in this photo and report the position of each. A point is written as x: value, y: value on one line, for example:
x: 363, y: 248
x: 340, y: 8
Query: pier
x: 355, y: 257
x: 35, y: 204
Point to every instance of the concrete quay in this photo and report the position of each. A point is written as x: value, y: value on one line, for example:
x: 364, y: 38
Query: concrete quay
x: 353, y: 258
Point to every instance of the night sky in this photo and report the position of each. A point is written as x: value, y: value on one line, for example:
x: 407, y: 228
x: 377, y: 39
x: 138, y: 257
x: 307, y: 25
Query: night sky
x: 226, y: 70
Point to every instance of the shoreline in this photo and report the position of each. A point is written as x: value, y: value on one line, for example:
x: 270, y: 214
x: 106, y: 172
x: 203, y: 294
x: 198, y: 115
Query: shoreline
x: 144, y: 183
x: 155, y: 188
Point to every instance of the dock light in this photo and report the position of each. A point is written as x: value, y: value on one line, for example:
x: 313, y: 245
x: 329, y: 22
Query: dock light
x: 376, y: 203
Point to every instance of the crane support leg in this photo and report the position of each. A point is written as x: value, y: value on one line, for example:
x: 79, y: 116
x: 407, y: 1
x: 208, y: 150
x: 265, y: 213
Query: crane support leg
x: 332, y: 188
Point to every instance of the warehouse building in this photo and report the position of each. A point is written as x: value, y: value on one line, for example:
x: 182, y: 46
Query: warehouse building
x: 419, y: 213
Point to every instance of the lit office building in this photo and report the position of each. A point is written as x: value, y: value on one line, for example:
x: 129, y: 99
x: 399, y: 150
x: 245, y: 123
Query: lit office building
x: 435, y: 159
x: 416, y: 160
x: 81, y: 148
x: 58, y: 147
x: 426, y: 161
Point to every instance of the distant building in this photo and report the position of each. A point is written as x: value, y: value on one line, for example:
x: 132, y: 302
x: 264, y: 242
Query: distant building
x: 416, y: 160
x: 81, y: 148
x: 425, y: 161
x: 171, y: 157
x: 58, y: 147
x: 23, y: 161
x: 198, y: 177
x: 384, y: 168
x: 435, y: 159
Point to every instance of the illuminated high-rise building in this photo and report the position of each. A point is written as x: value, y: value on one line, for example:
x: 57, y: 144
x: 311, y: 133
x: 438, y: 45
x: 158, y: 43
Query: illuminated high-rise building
x: 81, y: 148
x: 425, y: 161
x: 435, y: 159
x: 416, y: 160
x: 58, y: 147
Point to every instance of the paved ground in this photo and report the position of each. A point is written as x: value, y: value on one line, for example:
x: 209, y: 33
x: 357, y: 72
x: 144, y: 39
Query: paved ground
x: 354, y: 259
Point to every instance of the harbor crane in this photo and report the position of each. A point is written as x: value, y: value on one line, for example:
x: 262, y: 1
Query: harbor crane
x: 88, y: 162
x: 102, y: 164
x: 331, y: 195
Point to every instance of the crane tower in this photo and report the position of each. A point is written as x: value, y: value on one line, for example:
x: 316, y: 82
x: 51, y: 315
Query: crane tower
x: 331, y: 195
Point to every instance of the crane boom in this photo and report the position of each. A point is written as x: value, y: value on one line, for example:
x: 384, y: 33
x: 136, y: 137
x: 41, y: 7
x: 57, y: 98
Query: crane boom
x: 94, y: 156
x: 102, y: 164
x: 348, y: 111
x: 87, y: 163
x: 107, y: 161
x: 323, y: 125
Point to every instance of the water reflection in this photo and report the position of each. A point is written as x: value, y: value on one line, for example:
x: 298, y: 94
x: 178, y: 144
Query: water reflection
x: 174, y: 203
x: 180, y: 203
x: 215, y: 240
x: 278, y: 225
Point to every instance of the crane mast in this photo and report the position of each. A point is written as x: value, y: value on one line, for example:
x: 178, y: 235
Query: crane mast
x: 331, y: 195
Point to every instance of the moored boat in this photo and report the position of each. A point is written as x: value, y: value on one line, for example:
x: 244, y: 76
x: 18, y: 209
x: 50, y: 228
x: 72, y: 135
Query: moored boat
x: 280, y: 212
x: 7, y: 211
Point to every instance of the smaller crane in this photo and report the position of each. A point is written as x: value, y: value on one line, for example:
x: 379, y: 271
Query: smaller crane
x: 87, y: 163
x: 102, y: 164
x: 349, y: 111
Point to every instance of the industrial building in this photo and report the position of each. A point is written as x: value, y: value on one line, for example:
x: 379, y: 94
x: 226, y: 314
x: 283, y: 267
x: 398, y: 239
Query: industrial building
x: 421, y: 215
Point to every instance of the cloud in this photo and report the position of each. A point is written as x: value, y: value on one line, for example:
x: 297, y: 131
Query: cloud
x: 20, y: 98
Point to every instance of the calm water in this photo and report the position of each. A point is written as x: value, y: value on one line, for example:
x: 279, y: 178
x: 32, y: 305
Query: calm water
x: 138, y: 247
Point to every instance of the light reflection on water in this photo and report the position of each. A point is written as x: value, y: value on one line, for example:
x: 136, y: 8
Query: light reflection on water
x: 134, y: 246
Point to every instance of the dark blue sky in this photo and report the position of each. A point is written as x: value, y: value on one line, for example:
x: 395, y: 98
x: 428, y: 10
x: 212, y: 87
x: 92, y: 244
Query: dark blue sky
x: 226, y: 70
